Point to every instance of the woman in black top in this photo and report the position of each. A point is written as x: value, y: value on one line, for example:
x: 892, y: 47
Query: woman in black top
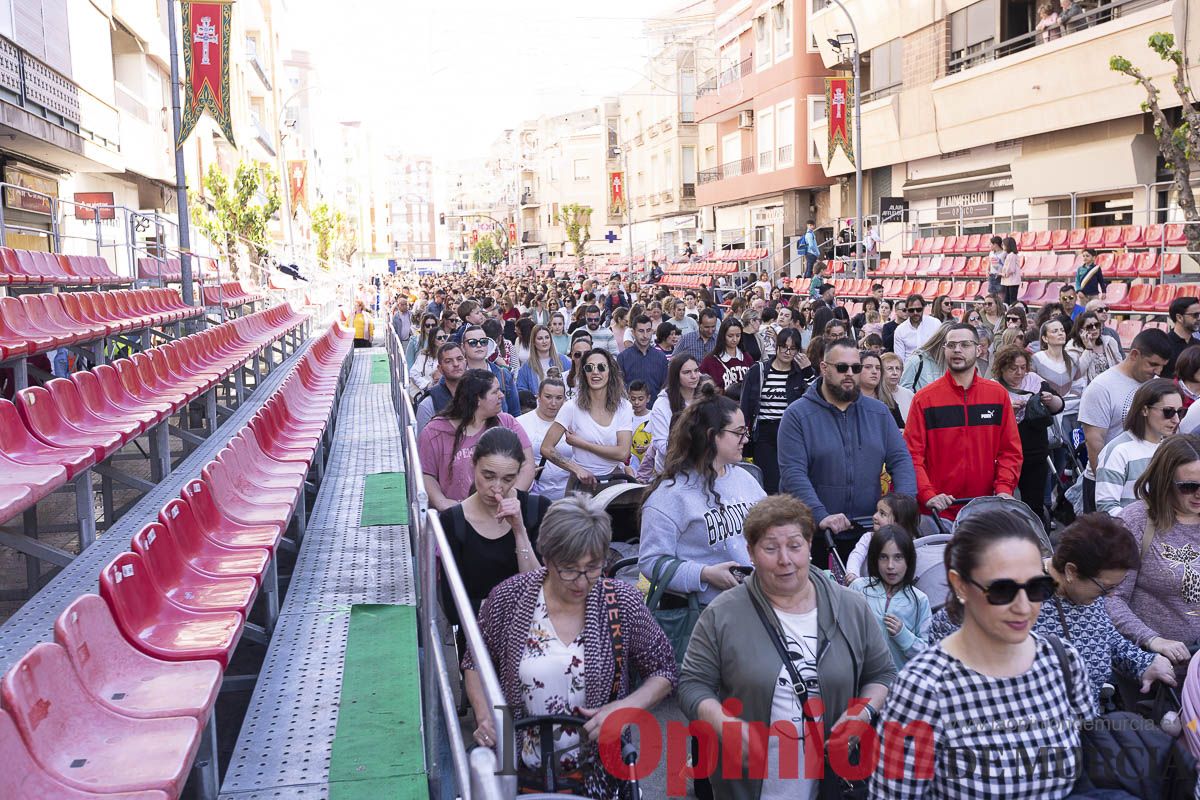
x: 769, y: 388
x: 1011, y: 368
x: 493, y: 532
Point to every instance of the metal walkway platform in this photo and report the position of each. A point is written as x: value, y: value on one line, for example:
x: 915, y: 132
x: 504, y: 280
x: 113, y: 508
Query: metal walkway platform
x: 34, y: 622
x: 284, y: 748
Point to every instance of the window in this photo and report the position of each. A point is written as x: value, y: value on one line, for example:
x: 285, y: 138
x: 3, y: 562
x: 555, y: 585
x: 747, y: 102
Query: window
x: 762, y: 42
x: 731, y: 148
x: 883, y: 68
x: 655, y: 175
x: 583, y: 170
x: 669, y: 176
x: 687, y: 160
x: 816, y: 116
x: 785, y: 134
x: 687, y: 96
x: 972, y: 33
x: 764, y: 124
x: 781, y: 22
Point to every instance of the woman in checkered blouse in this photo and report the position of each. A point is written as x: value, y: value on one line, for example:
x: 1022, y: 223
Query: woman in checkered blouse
x: 992, y: 694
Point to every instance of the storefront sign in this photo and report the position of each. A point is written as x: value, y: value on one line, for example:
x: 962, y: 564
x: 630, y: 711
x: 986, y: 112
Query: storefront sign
x: 892, y: 209
x: 971, y: 205
x: 771, y: 215
x: 29, y: 201
x: 102, y: 199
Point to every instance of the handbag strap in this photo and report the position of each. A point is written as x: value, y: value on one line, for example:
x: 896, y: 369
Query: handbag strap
x: 1062, y: 617
x: 1064, y: 664
x: 798, y: 685
x: 659, y: 579
x: 613, y: 615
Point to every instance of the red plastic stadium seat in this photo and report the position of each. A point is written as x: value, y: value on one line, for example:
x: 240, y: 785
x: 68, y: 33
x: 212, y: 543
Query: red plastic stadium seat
x: 1162, y: 296
x: 123, y: 678
x: 1060, y: 239
x: 1064, y: 266
x: 49, y: 423
x: 24, y: 779
x: 1025, y: 240
x: 1118, y: 265
x: 205, y: 516
x: 1144, y: 265
x: 160, y: 628
x: 1175, y: 234
x: 1127, y: 329
x: 1138, y: 298
x: 85, y: 745
x: 1114, y: 237
x: 1131, y: 236
x: 1077, y: 238
x: 1033, y: 293
x: 1094, y: 237
x: 17, y: 444
x: 1041, y: 240
x: 171, y: 573
x: 1153, y: 236
x: 975, y: 244
x: 1170, y: 263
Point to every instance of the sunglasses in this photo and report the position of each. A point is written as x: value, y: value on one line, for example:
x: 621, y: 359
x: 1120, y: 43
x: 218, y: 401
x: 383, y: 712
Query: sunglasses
x: 441, y: 337
x: 1187, y: 487
x: 915, y: 310
x: 1004, y: 591
x: 1012, y: 319
x: 1102, y: 310
x: 576, y: 355
x: 430, y: 326
x: 1092, y: 327
x: 1168, y: 412
x: 590, y: 368
x: 475, y: 342
x: 844, y: 368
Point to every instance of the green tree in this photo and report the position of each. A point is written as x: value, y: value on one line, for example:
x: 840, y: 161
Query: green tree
x: 334, y: 234
x: 577, y: 220
x: 486, y: 252
x: 232, y: 215
x: 1179, y: 143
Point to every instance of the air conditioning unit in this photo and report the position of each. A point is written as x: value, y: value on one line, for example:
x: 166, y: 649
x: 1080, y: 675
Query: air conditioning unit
x: 745, y: 120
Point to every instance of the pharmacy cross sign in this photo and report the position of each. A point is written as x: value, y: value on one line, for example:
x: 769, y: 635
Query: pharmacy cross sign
x: 611, y: 237
x: 206, y: 34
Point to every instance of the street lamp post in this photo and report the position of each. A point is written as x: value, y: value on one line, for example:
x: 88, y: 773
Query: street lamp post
x: 858, y: 201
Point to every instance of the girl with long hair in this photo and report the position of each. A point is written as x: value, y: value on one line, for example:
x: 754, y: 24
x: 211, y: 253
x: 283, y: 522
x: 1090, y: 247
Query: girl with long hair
x: 420, y: 342
x: 727, y: 364
x: 928, y: 362
x: 890, y: 587
x: 597, y: 422
x: 424, y: 371
x: 446, y: 443
x: 872, y: 384
x: 543, y: 361
x: 683, y: 376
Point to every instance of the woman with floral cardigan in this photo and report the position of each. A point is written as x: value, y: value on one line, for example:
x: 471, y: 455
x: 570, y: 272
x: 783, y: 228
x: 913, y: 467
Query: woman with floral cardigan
x: 549, y: 636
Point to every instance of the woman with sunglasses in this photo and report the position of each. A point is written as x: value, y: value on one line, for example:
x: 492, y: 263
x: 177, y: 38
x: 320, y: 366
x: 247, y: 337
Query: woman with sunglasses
x: 993, y: 310
x: 1155, y: 606
x: 543, y: 361
x: 424, y: 371
x: 1094, y: 350
x: 1093, y: 556
x: 1153, y: 415
x: 420, y: 342
x: 597, y: 422
x: 991, y: 671
x: 771, y: 386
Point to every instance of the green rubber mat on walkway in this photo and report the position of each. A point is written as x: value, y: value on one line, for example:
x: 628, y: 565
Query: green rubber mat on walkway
x: 378, y: 750
x: 381, y: 371
x: 385, y: 500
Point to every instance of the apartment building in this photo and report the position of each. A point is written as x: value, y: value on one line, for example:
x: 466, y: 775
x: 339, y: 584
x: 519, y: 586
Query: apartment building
x: 758, y: 184
x: 658, y: 138
x: 981, y: 123
x: 410, y: 192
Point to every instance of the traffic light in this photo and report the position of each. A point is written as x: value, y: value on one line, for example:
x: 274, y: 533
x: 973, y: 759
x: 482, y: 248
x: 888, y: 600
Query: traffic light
x: 441, y: 219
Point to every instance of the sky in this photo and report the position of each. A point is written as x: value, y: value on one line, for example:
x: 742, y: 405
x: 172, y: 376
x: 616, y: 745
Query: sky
x: 445, y: 78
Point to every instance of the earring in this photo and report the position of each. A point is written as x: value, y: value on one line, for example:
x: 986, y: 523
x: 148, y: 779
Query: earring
x: 961, y: 599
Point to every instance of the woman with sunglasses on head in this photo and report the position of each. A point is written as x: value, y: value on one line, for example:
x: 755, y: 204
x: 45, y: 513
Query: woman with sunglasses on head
x: 1093, y: 556
x: 771, y: 386
x: 1153, y: 415
x: 1155, y: 607
x: 1092, y: 349
x: 597, y: 422
x: 550, y: 634
x: 423, y: 371
x: 970, y: 687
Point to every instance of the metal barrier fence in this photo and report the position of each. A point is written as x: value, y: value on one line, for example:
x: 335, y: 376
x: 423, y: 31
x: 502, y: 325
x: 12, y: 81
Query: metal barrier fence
x: 475, y: 776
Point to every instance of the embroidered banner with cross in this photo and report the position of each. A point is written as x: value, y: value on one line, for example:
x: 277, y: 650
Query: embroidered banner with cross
x: 837, y: 100
x: 207, y: 27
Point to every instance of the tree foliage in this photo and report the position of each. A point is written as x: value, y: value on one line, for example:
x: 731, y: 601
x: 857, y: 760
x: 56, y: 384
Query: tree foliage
x: 577, y: 219
x: 1179, y: 143
x: 486, y: 252
x: 334, y: 234
x: 234, y: 215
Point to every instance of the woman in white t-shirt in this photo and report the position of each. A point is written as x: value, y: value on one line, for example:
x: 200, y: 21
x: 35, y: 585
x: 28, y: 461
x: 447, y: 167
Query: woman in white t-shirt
x: 551, y: 479
x: 597, y: 423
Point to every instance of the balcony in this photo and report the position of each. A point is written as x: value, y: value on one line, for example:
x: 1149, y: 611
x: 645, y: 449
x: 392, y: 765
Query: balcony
x: 687, y: 117
x: 731, y: 169
x: 529, y: 199
x: 727, y: 76
x: 783, y: 155
x: 655, y: 199
x: 262, y: 135
x: 689, y: 192
x: 256, y: 63
x: 531, y: 237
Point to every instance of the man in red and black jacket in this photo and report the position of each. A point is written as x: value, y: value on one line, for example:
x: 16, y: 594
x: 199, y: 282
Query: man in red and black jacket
x: 962, y: 433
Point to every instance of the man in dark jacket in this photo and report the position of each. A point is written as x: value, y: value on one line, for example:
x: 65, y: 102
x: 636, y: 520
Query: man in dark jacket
x: 823, y: 309
x: 834, y: 444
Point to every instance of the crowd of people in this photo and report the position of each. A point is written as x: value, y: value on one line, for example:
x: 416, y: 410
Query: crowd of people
x: 789, y: 448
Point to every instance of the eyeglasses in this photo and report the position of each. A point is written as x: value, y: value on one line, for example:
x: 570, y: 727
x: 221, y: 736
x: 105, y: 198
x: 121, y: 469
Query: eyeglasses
x: 960, y: 345
x: 740, y: 433
x: 1104, y: 590
x: 1187, y: 487
x: 1169, y: 412
x: 572, y: 575
x: 576, y: 355
x: 844, y: 368
x: 787, y: 348
x: 475, y: 342
x: 590, y: 368
x: 1004, y: 591
x: 915, y: 310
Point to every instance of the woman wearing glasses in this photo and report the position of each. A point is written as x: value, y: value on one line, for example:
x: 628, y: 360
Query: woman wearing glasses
x: 1153, y: 415
x: 1093, y: 556
x: 420, y: 342
x: 785, y: 637
x: 597, y: 422
x: 424, y: 371
x: 1155, y: 607
x: 1092, y: 349
x: 770, y: 387
x: 549, y: 633
x: 989, y: 673
x: 1010, y: 368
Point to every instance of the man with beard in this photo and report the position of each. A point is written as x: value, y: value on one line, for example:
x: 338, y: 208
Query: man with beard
x: 834, y: 444
x: 962, y: 432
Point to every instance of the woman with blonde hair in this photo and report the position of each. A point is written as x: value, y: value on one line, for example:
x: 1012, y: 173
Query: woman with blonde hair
x: 928, y: 362
x: 893, y: 370
x: 544, y: 360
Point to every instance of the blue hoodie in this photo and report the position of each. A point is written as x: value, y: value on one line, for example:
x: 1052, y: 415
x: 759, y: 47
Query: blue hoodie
x: 832, y: 460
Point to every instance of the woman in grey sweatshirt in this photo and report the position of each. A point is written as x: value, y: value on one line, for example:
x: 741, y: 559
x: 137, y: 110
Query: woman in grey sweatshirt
x: 695, y: 510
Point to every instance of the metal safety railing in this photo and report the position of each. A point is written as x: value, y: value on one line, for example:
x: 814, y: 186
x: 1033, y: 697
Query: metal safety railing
x: 476, y: 775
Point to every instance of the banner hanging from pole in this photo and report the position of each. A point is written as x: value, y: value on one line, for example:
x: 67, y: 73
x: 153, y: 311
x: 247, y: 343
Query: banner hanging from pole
x: 207, y: 27
x: 616, y: 194
x: 837, y: 100
x: 298, y: 184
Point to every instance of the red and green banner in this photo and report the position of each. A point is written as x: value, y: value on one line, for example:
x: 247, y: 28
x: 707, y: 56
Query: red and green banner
x: 837, y: 102
x: 207, y: 27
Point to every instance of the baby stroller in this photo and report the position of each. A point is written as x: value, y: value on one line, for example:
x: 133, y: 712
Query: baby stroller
x: 548, y: 780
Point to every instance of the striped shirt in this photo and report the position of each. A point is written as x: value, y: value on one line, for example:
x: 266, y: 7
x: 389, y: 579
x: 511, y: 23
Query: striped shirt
x: 773, y: 401
x: 1121, y: 463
